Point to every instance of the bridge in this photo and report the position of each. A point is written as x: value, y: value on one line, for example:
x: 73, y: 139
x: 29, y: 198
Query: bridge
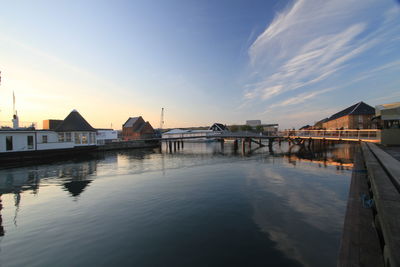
x: 292, y: 136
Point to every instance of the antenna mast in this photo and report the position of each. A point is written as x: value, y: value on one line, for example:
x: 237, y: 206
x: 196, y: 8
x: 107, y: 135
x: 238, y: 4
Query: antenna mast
x: 162, y: 119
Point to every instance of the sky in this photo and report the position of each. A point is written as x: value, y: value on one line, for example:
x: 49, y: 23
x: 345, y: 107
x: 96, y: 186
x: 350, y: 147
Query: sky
x: 289, y: 62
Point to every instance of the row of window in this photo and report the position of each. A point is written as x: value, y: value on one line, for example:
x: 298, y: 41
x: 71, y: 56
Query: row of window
x: 79, y: 138
x: 62, y: 137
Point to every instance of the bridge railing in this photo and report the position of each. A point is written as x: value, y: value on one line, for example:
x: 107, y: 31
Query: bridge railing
x: 364, y: 134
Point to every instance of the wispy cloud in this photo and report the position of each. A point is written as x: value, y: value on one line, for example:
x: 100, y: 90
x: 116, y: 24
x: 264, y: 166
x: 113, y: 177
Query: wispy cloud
x: 312, y: 41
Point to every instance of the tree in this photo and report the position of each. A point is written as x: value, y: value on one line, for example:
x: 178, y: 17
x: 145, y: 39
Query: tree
x: 259, y: 129
x: 234, y: 128
x: 246, y: 128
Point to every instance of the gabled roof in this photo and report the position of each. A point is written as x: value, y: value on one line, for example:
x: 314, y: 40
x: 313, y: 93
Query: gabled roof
x: 219, y: 126
x: 357, y: 109
x: 131, y: 121
x: 74, y: 122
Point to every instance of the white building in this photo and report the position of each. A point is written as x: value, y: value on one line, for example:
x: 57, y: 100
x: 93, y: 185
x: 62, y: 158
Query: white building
x: 104, y: 136
x: 73, y: 132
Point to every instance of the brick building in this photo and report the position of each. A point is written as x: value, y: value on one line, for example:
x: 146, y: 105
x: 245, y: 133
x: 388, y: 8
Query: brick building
x: 136, y: 128
x: 358, y: 116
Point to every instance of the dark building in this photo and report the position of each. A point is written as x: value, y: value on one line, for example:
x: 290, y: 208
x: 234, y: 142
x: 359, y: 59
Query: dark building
x: 74, y: 128
x: 51, y: 124
x: 136, y: 128
x: 218, y: 127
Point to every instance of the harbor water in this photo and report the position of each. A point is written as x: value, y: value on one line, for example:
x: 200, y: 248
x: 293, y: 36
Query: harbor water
x: 203, y: 205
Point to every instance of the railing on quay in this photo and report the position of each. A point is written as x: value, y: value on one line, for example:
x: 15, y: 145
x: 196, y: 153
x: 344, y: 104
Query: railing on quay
x: 368, y: 135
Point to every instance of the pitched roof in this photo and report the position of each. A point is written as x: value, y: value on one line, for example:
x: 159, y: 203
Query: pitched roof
x: 219, y: 126
x: 74, y: 122
x: 357, y: 109
x: 131, y: 121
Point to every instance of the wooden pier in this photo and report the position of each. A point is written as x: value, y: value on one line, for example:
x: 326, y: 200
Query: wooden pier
x: 371, y: 234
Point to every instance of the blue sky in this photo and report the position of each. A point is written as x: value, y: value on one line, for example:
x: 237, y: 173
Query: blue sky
x: 286, y: 62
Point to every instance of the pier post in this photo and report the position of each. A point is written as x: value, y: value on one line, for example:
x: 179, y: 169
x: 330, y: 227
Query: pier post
x: 250, y: 143
x: 222, y: 141
x: 170, y: 146
x: 280, y: 141
x: 235, y: 144
x: 260, y: 144
x: 174, y: 146
x: 179, y: 145
x: 182, y: 143
x: 243, y: 145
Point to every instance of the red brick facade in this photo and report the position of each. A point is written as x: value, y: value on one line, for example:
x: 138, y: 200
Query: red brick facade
x: 138, y: 130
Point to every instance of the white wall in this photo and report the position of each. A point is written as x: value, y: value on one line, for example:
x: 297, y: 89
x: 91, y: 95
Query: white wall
x: 19, y: 140
x: 102, y: 135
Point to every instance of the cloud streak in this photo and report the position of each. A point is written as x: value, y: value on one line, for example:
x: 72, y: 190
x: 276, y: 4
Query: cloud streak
x: 309, y: 43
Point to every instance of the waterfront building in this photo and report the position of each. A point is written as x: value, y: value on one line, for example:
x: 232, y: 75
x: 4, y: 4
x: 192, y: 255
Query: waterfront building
x: 253, y: 123
x: 136, y: 128
x: 73, y: 135
x: 51, y: 124
x: 104, y: 136
x: 357, y: 116
x: 74, y: 128
x: 387, y: 117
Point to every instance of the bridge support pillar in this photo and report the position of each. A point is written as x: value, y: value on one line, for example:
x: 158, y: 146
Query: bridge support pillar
x: 235, y: 145
x: 182, y: 143
x: 170, y: 146
x: 243, y: 145
x: 174, y: 146
x: 249, y: 143
x: 260, y: 144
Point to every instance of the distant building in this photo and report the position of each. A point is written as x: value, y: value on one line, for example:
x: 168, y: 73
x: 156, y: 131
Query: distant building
x: 388, y: 119
x: 306, y: 127
x: 320, y: 124
x: 253, y: 123
x: 74, y: 128
x: 179, y: 133
x: 104, y: 136
x: 270, y: 128
x: 218, y: 127
x: 136, y: 128
x: 357, y: 116
x: 51, y: 124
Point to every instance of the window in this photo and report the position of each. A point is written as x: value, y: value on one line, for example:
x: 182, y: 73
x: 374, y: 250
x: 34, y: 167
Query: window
x: 61, y: 137
x: 9, y: 143
x: 93, y: 138
x: 77, y: 138
x: 84, y: 139
x: 30, y: 141
x: 44, y: 138
x: 90, y: 138
x: 68, y: 137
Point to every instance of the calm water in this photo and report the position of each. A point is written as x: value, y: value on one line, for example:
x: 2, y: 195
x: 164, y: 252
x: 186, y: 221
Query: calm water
x: 200, y: 206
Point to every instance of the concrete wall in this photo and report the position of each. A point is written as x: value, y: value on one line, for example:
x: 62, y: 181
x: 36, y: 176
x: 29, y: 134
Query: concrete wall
x: 390, y: 137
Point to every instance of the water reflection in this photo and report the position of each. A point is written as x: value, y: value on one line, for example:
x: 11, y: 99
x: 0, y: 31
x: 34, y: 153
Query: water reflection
x: 211, y: 203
